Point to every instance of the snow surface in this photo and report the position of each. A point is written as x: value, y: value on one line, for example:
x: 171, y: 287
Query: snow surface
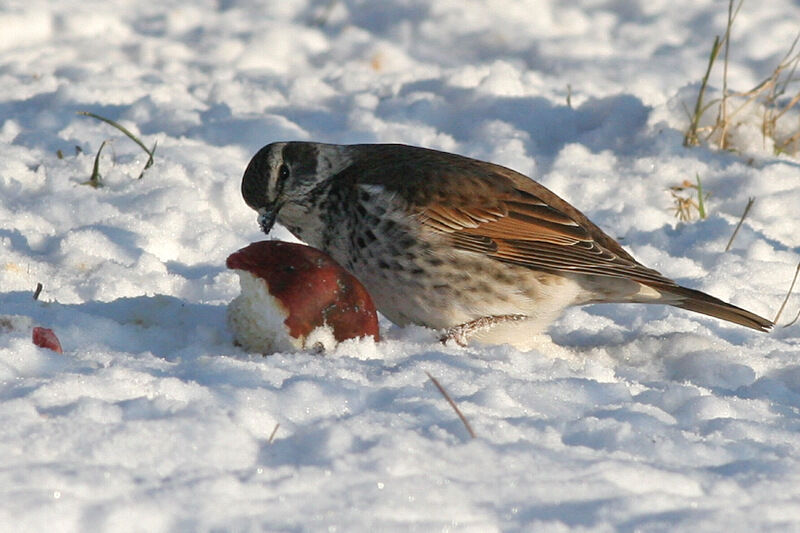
x: 638, y: 418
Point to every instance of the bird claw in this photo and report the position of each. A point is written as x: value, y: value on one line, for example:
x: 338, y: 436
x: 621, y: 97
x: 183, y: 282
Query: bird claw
x: 461, y: 333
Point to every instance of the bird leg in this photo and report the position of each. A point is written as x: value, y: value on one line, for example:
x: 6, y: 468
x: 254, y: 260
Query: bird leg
x: 462, y: 332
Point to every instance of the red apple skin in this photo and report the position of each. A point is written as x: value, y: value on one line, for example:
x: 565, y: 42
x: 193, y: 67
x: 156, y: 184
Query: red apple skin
x: 46, y: 338
x: 312, y: 287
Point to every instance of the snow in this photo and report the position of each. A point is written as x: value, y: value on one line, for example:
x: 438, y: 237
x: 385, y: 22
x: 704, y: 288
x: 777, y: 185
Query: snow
x: 634, y: 418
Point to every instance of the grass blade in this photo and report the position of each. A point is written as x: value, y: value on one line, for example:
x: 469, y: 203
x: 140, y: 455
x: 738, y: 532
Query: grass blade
x: 95, y: 180
x: 690, y: 138
x: 701, y: 206
x: 130, y: 135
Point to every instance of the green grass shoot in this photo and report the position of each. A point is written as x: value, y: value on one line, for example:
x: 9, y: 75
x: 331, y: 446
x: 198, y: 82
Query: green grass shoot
x: 130, y: 135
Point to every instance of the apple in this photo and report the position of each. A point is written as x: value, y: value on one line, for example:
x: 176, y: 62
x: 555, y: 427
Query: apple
x: 295, y: 297
x: 46, y: 338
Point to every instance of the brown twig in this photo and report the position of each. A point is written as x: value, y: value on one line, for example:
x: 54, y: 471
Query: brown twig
x: 38, y: 291
x: 791, y: 288
x: 452, y: 404
x: 750, y: 202
x: 272, y: 435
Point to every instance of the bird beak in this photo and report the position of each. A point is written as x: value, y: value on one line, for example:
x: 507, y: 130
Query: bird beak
x: 266, y: 218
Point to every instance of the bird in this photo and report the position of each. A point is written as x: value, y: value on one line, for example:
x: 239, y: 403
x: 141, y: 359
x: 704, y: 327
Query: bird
x: 467, y: 247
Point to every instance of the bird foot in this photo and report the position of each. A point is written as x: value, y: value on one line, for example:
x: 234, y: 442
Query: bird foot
x: 461, y: 333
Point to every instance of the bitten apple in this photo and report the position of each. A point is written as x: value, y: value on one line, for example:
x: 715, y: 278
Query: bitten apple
x: 46, y: 338
x: 293, y: 297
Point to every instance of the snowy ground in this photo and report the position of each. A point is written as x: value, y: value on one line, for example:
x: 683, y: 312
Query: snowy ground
x: 642, y: 419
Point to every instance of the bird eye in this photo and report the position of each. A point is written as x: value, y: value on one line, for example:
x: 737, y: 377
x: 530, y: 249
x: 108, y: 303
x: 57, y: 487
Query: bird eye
x: 283, y: 172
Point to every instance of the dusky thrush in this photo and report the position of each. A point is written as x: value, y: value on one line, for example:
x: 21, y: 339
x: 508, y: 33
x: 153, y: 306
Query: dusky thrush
x: 454, y: 243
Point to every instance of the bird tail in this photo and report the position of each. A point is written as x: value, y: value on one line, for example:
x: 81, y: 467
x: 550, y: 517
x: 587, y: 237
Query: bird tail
x: 701, y: 302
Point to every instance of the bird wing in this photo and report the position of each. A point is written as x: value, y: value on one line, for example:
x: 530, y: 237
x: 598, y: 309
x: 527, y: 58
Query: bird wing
x: 523, y: 229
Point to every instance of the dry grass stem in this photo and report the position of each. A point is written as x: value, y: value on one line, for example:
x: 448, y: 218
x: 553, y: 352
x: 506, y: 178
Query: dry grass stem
x: 723, y: 108
x: 797, y: 316
x: 766, y: 95
x: 791, y: 288
x: 452, y: 404
x: 272, y: 435
x: 685, y: 205
x: 750, y: 203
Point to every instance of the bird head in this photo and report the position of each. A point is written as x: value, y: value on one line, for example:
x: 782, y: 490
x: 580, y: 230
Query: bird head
x: 284, y: 179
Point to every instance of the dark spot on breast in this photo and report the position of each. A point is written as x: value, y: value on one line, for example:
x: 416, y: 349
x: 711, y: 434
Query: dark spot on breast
x: 459, y: 277
x: 389, y: 226
x: 407, y: 242
x: 483, y: 288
